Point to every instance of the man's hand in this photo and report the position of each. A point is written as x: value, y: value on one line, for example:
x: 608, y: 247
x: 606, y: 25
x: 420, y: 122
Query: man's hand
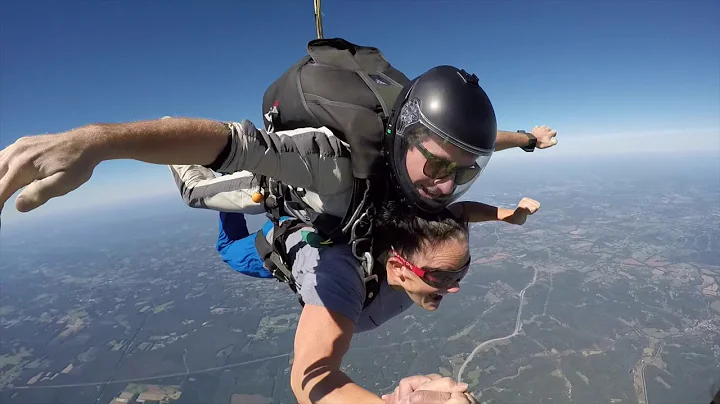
x: 525, y: 207
x: 49, y: 165
x: 53, y: 165
x: 545, y: 137
x: 430, y: 389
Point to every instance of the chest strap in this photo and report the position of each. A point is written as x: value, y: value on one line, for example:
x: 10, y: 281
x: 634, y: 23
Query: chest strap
x: 277, y: 260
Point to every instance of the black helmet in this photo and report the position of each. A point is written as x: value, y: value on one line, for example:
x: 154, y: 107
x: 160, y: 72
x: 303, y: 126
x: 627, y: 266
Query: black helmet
x: 449, y: 103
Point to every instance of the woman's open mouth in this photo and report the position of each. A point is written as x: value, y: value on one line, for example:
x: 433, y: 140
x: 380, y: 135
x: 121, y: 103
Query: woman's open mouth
x: 436, y: 297
x: 424, y: 192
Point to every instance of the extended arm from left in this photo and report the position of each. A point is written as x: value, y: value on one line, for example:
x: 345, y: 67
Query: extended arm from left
x: 55, y: 164
x: 161, y: 141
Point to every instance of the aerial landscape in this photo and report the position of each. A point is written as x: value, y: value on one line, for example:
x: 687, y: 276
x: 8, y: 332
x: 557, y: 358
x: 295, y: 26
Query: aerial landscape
x: 609, y: 294
x: 114, y: 291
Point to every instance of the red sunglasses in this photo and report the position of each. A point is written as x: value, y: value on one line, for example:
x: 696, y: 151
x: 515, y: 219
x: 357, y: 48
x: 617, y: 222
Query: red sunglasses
x: 437, y: 278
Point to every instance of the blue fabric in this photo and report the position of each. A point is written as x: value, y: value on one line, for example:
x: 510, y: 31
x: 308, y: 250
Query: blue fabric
x: 237, y: 246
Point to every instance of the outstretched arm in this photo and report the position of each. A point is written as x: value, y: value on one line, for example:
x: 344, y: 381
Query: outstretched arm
x: 475, y: 212
x: 56, y: 164
x: 508, y: 140
x: 160, y: 141
x: 322, y: 339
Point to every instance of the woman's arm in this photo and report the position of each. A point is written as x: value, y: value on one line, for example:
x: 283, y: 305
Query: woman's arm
x: 475, y: 212
x: 321, y: 340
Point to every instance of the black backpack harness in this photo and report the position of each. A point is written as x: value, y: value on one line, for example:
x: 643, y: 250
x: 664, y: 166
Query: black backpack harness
x: 351, y: 90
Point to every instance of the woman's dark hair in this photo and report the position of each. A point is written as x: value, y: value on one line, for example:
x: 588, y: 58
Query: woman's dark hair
x: 409, y: 230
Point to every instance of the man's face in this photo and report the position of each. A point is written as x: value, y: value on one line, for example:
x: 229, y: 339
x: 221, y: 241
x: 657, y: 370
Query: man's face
x: 431, y: 153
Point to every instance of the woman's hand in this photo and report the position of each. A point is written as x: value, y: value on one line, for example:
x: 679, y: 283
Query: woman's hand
x: 430, y: 389
x: 525, y: 207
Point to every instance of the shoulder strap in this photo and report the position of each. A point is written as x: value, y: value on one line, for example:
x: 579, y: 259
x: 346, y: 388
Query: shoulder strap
x: 275, y: 256
x: 276, y: 260
x: 360, y: 59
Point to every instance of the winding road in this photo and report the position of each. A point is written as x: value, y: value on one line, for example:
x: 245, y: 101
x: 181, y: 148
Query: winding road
x: 142, y: 379
x: 518, y: 326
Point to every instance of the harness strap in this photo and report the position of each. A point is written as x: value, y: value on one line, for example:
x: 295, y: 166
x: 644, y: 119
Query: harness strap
x: 274, y: 255
x: 361, y: 244
x: 357, y: 221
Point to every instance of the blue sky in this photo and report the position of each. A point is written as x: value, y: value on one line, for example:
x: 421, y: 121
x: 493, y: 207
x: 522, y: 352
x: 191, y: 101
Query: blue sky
x: 611, y: 76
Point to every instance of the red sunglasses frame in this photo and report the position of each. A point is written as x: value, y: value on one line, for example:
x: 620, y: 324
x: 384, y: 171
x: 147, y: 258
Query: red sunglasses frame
x: 422, y: 273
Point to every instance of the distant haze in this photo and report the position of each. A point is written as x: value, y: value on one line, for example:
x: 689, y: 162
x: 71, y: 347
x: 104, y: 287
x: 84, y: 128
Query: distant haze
x: 508, y: 171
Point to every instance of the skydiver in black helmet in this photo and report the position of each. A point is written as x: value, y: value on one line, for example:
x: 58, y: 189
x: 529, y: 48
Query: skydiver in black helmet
x: 432, y: 158
x: 438, y: 142
x: 436, y: 146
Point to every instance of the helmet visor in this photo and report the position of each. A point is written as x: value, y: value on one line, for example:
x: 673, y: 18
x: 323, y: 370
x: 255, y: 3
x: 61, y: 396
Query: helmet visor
x: 411, y: 116
x: 462, y: 177
x: 437, y: 167
x: 461, y: 174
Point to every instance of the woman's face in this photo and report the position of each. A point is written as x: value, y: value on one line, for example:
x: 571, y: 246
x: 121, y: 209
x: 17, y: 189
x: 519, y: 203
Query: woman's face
x: 445, y: 263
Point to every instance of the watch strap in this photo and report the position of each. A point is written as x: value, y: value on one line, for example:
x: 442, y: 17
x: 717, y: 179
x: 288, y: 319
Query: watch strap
x: 533, y: 141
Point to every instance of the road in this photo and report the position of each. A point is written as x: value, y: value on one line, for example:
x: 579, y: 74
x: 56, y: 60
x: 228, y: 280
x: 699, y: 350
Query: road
x: 642, y: 370
x: 518, y: 326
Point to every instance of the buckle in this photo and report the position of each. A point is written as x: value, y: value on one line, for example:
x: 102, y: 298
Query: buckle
x: 280, y: 266
x: 368, y: 265
x: 368, y: 279
x: 271, y: 201
x: 361, y: 246
x: 362, y: 218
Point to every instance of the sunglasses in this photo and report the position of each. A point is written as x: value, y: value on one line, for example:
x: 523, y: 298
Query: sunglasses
x: 437, y: 278
x: 438, y: 167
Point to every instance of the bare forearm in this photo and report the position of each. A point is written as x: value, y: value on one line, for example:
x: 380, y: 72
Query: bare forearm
x: 508, y: 140
x: 332, y: 386
x: 475, y: 212
x: 162, y: 141
x: 505, y: 215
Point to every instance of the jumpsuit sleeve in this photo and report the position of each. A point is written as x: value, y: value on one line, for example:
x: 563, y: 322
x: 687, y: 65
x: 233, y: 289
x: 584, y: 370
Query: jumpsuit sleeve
x: 309, y: 158
x: 200, y: 188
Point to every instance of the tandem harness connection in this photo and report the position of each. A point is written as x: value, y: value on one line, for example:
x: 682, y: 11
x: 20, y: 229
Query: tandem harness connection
x: 278, y: 260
